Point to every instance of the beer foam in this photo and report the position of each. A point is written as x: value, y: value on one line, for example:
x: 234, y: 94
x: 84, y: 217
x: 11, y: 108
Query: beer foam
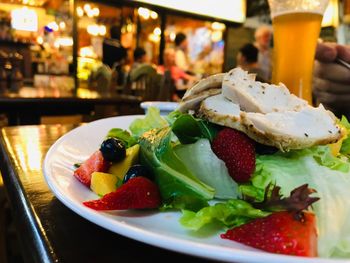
x: 296, y: 11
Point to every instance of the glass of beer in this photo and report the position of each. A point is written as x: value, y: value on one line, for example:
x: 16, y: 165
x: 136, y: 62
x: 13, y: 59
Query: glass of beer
x: 296, y: 28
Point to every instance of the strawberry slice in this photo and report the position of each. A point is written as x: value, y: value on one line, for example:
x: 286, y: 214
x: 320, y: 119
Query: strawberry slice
x: 137, y: 193
x: 280, y: 232
x: 238, y: 153
x: 95, y: 163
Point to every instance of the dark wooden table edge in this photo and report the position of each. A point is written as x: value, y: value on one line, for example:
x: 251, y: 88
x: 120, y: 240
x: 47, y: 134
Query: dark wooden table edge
x: 33, y: 240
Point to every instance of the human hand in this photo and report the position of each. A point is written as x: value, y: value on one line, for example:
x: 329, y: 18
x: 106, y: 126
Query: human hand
x: 331, y: 82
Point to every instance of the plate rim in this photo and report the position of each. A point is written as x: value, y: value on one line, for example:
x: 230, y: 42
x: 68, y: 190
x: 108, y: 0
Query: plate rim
x: 189, y: 247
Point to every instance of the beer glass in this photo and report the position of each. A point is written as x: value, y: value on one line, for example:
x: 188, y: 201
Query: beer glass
x: 296, y: 28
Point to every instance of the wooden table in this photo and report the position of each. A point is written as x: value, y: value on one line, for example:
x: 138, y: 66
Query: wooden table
x: 29, y: 104
x: 48, y: 230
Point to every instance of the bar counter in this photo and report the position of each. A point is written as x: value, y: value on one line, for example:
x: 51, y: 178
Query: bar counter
x: 28, y: 104
x: 48, y: 230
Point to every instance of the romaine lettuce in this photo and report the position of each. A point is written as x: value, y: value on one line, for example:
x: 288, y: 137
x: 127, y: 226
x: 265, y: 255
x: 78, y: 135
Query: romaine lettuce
x: 189, y: 129
x: 179, y: 188
x: 207, y: 167
x: 150, y: 121
x: 230, y: 214
x: 332, y: 183
x: 122, y: 135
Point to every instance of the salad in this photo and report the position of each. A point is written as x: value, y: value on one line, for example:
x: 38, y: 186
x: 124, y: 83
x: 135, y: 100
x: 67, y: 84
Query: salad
x: 278, y: 197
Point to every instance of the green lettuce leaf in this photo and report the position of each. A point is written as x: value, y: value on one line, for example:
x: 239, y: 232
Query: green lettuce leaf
x: 322, y: 155
x: 150, y: 121
x: 230, y: 214
x: 207, y: 167
x: 179, y: 188
x: 345, y: 146
x: 122, y: 135
x: 189, y: 129
x: 324, y: 174
x: 172, y: 117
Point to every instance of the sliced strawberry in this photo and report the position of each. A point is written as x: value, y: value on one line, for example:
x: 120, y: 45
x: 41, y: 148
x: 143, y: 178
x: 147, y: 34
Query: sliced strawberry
x: 95, y: 163
x: 237, y: 151
x: 137, y: 193
x: 280, y: 232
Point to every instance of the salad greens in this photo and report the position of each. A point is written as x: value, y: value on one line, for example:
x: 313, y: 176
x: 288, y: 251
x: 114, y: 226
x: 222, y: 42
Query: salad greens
x: 345, y: 146
x: 189, y: 175
x: 189, y: 130
x: 122, y: 135
x: 201, y: 160
x: 230, y: 214
x: 332, y: 187
x: 152, y: 120
x: 178, y: 186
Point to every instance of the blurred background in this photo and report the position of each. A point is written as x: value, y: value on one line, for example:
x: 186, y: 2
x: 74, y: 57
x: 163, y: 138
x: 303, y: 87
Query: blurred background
x: 58, y: 42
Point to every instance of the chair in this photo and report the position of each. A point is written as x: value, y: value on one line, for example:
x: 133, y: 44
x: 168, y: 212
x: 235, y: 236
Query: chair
x: 167, y: 87
x: 144, y: 81
x: 101, y: 78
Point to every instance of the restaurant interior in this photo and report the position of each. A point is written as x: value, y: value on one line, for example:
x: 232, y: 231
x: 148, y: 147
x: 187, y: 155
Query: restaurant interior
x: 52, y: 69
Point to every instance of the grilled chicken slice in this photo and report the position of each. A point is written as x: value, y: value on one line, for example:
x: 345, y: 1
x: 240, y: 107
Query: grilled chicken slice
x: 193, y: 102
x: 292, y: 129
x: 284, y: 130
x: 254, y: 96
x: 211, y: 82
x: 201, y: 90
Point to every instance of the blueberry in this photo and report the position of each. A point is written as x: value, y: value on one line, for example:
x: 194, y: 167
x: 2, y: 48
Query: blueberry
x: 138, y: 170
x: 113, y: 150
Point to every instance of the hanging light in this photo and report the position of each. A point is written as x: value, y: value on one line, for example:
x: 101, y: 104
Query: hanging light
x: 218, y: 26
x: 216, y: 36
x: 154, y: 38
x: 96, y: 11
x: 39, y: 40
x: 172, y: 36
x: 102, y: 30
x: 93, y: 30
x: 80, y: 11
x: 144, y: 12
x: 154, y: 15
x: 90, y: 13
x: 53, y: 26
x: 64, y: 42
x: 157, y: 31
x: 62, y: 25
x: 87, y: 7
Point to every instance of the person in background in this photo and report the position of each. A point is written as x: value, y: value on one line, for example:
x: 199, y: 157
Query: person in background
x: 141, y: 66
x: 181, y: 48
x: 180, y: 77
x: 247, y: 59
x: 114, y: 54
x: 331, y: 82
x: 140, y: 57
x: 263, y: 36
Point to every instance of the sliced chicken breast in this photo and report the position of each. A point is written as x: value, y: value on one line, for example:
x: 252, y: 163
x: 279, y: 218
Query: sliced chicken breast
x: 211, y: 82
x: 267, y: 113
x: 254, y: 96
x: 292, y: 129
x: 284, y: 130
x: 220, y: 110
x: 193, y: 102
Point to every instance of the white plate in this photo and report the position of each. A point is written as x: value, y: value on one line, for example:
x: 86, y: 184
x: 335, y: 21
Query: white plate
x: 158, y: 229
x: 165, y: 107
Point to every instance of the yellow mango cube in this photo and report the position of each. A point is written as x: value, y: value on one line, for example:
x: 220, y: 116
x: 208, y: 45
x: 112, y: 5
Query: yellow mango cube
x: 103, y: 183
x: 132, y: 157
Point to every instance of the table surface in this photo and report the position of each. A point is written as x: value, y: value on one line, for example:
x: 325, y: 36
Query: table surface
x: 48, y: 230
